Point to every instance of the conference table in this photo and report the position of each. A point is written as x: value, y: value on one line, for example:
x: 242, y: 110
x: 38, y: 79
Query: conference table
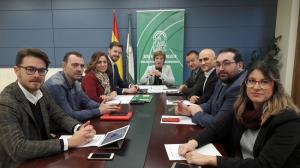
x: 143, y: 146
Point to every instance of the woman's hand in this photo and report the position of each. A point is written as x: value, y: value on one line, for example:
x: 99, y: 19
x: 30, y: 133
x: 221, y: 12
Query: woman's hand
x: 199, y: 159
x: 187, y: 147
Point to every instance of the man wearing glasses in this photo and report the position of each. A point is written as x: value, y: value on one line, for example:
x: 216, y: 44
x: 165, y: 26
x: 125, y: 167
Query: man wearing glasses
x: 66, y: 90
x: 229, y: 69
x: 29, y: 114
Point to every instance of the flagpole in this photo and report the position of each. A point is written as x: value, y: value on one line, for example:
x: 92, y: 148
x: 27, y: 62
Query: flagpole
x: 130, y: 74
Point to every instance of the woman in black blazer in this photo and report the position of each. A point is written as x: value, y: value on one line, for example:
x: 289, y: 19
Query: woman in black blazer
x: 265, y: 131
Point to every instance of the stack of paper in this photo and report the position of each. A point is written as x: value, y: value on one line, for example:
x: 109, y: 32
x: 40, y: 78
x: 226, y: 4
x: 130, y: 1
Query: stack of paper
x: 172, y: 151
x: 95, y: 142
x: 174, y: 102
x: 121, y: 99
x: 154, y: 88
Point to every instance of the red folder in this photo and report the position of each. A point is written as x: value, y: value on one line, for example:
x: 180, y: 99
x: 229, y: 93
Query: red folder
x: 116, y: 116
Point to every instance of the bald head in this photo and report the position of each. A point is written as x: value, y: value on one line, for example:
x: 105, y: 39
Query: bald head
x: 207, y: 59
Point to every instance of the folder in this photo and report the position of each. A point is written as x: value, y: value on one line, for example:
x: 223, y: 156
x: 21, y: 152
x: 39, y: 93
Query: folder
x: 141, y: 99
x: 116, y: 116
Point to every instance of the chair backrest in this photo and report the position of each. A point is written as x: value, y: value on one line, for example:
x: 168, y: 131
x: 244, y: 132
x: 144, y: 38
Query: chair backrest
x: 7, y: 76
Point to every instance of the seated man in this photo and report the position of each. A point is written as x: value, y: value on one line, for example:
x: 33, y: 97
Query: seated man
x: 192, y: 61
x: 229, y: 67
x: 68, y: 94
x: 205, y: 85
x: 159, y: 73
x: 28, y: 115
x: 117, y: 83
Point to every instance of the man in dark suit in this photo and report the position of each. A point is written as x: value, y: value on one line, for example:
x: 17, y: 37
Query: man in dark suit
x: 192, y: 61
x: 116, y: 82
x: 205, y: 85
x: 28, y: 115
x: 229, y: 68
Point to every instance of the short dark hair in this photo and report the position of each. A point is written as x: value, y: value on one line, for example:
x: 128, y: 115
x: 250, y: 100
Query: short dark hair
x: 31, y: 52
x: 237, y: 56
x: 159, y: 53
x: 192, y: 52
x: 67, y: 55
x: 115, y: 44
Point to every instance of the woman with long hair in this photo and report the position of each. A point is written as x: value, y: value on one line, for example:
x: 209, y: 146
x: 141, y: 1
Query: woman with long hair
x: 265, y: 131
x: 96, y: 80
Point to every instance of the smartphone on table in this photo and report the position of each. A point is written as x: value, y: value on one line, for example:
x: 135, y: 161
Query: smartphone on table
x: 101, y: 156
x: 183, y: 165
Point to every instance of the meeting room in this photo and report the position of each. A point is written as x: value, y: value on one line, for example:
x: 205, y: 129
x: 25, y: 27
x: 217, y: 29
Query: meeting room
x: 149, y: 84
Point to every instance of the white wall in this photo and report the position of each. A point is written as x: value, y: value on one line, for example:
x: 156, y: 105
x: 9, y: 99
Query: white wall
x: 286, y: 26
x: 7, y: 76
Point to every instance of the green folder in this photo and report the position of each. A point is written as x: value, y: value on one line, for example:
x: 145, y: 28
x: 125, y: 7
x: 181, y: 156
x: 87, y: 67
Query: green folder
x: 141, y: 98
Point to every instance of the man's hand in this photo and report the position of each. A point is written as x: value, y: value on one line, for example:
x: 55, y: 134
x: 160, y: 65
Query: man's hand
x: 131, y: 90
x: 194, y: 109
x: 83, y: 136
x: 135, y: 86
x: 182, y: 109
x: 182, y: 88
x: 108, y: 108
x: 194, y: 99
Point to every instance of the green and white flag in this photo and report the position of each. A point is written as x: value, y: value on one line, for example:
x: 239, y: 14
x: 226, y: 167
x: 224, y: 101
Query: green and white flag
x: 129, y: 54
x: 160, y: 30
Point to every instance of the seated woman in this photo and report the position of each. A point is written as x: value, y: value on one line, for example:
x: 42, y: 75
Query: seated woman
x: 265, y: 131
x: 158, y: 74
x: 96, y: 81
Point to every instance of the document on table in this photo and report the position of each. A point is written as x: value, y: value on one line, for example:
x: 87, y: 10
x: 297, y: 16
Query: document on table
x: 183, y: 120
x: 153, y: 88
x: 174, y: 102
x: 158, y: 87
x: 171, y: 90
x: 95, y: 142
x: 121, y: 99
x: 172, y: 151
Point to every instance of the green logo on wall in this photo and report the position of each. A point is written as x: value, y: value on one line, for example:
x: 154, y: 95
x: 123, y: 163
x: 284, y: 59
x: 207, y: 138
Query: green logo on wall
x: 160, y: 30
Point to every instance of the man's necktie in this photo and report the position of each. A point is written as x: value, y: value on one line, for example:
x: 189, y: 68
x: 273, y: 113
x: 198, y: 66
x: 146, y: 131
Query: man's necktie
x: 115, y: 74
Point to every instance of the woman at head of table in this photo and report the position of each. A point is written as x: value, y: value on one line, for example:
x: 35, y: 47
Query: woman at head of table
x: 159, y: 73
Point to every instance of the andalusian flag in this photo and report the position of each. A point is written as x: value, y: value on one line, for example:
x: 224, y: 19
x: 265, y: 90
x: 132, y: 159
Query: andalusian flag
x: 115, y: 37
x: 129, y: 54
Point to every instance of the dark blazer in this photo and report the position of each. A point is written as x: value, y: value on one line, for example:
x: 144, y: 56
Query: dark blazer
x: 190, y: 82
x: 116, y: 81
x: 277, y: 143
x: 20, y: 136
x: 220, y: 103
x: 208, y: 88
x: 92, y: 87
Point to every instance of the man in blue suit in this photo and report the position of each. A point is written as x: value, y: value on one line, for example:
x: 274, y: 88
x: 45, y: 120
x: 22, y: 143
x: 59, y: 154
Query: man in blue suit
x: 229, y: 68
x: 116, y: 82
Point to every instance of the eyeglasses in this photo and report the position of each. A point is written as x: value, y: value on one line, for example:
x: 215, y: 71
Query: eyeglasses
x: 31, y: 70
x: 263, y: 84
x: 224, y: 64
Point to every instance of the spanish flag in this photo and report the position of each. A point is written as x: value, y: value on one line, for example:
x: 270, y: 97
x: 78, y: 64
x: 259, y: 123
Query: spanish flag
x: 115, y: 37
